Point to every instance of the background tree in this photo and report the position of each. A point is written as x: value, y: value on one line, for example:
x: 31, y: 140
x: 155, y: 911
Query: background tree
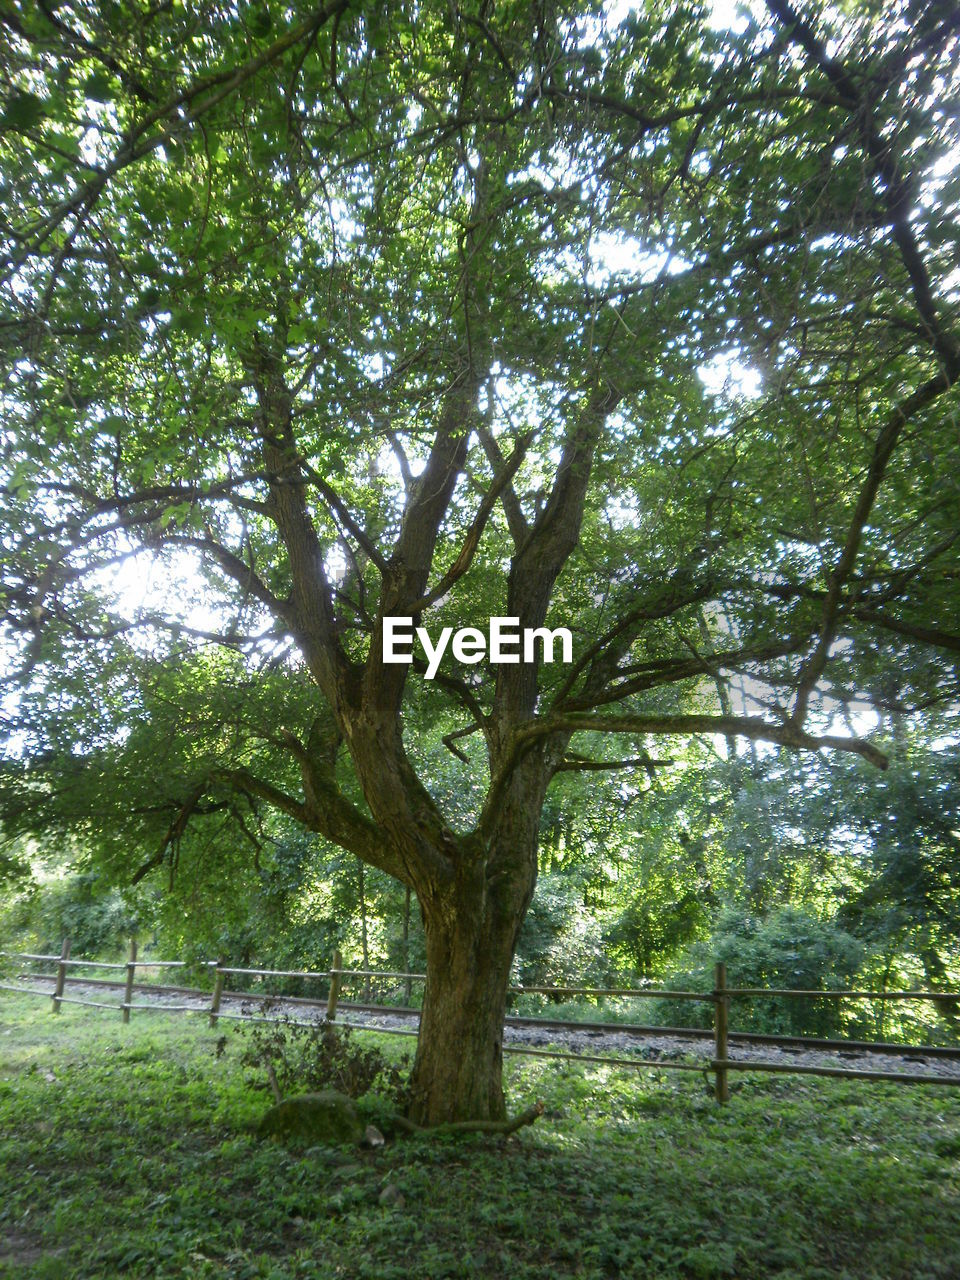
x: 360, y: 310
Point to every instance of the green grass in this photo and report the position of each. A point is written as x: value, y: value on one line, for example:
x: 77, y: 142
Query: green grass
x: 128, y: 1151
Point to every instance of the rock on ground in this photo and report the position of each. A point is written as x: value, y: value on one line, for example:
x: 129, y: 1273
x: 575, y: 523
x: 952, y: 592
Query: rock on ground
x: 325, y: 1117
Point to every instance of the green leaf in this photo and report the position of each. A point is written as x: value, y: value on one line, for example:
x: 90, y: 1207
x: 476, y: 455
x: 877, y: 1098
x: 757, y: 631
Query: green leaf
x: 22, y: 111
x: 98, y: 87
x: 261, y: 23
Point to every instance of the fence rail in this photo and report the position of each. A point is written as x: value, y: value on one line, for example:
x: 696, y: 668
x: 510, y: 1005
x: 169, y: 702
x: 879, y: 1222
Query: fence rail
x: 720, y: 997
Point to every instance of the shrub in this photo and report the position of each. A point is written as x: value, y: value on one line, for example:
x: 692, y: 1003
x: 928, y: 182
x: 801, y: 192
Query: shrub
x: 788, y: 949
x: 307, y: 1059
x: 560, y: 942
x: 97, y: 918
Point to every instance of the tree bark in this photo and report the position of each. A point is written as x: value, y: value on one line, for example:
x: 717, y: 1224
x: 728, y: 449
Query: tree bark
x: 471, y: 928
x: 458, y: 1067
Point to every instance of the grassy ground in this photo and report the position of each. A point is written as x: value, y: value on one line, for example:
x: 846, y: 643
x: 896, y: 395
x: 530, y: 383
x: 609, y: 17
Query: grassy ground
x: 128, y: 1151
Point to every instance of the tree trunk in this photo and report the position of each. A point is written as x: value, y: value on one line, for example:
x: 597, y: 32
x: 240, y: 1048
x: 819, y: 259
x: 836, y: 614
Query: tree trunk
x: 473, y: 890
x: 471, y: 932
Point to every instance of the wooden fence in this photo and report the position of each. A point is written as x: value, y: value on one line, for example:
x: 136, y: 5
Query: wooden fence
x: 720, y: 997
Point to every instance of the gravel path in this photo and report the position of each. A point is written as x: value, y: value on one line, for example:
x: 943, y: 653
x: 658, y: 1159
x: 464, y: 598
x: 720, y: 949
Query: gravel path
x: 612, y: 1043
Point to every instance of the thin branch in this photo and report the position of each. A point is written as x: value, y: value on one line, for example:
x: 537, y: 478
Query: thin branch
x: 883, y: 449
x: 472, y: 541
x: 342, y: 512
x: 926, y: 635
x: 516, y: 521
x: 450, y: 738
x: 633, y: 762
x: 184, y: 108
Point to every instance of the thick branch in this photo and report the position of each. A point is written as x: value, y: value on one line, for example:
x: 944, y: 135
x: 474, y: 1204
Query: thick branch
x: 430, y: 499
x: 548, y: 545
x: 752, y: 727
x: 313, y: 619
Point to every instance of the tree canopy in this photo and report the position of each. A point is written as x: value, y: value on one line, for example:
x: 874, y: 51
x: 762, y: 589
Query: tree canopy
x: 645, y: 326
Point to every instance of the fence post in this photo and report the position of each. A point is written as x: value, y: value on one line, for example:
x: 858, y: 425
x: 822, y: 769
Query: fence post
x: 61, y: 974
x: 721, y: 1023
x: 217, y: 992
x: 334, y: 986
x: 128, y: 988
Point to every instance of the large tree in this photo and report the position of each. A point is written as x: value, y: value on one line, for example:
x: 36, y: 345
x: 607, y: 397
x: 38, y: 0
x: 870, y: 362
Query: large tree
x: 448, y: 311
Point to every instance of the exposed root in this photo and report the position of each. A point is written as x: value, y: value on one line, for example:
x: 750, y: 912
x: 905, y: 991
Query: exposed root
x: 502, y: 1127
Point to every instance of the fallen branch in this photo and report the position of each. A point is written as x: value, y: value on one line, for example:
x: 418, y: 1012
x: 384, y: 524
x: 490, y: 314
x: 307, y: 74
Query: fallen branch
x: 502, y: 1127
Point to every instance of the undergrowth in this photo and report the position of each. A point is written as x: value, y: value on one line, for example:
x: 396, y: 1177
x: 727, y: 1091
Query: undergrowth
x: 301, y: 1058
x: 129, y: 1151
